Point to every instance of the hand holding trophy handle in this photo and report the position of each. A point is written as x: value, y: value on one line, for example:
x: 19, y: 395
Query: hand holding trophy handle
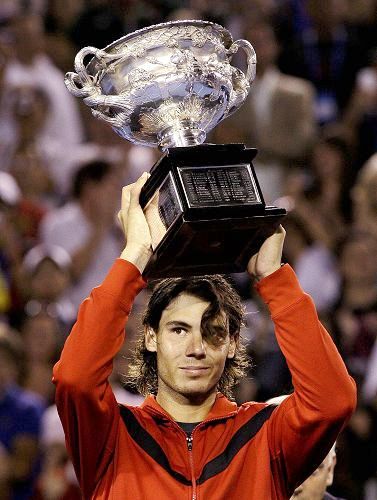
x: 241, y: 83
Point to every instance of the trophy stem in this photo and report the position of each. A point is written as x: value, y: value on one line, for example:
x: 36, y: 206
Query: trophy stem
x: 181, y: 136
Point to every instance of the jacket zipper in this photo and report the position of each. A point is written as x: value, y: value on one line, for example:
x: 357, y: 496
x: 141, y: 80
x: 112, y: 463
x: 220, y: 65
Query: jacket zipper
x: 193, y: 481
x: 189, y: 442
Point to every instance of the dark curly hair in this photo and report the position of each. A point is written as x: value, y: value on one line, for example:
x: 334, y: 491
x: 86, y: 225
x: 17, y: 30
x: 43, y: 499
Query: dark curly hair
x: 142, y: 372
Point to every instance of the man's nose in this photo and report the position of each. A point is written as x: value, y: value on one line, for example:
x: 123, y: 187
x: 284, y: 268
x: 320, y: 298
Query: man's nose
x: 196, y: 347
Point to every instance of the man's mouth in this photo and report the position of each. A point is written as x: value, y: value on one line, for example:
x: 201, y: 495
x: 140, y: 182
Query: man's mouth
x: 196, y: 370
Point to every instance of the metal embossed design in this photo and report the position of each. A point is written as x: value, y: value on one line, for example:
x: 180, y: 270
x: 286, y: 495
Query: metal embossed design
x: 165, y: 85
x: 169, y: 113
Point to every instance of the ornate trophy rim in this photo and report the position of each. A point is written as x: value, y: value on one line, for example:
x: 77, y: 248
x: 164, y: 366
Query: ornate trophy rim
x: 224, y: 33
x: 228, y: 39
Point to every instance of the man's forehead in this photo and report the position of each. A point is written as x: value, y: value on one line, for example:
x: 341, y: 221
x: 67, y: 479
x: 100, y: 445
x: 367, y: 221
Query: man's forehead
x: 185, y: 302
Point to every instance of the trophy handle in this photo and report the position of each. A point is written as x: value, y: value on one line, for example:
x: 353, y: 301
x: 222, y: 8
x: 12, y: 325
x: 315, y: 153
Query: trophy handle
x: 241, y: 83
x: 82, y: 84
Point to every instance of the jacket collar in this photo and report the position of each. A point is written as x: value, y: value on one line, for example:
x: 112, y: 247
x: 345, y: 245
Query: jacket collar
x: 222, y: 408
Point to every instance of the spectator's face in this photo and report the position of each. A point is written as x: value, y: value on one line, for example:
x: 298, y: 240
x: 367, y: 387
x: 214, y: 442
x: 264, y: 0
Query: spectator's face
x: 30, y: 107
x: 264, y: 42
x: 188, y: 365
x: 31, y: 173
x: 104, y: 195
x: 315, y: 486
x: 40, y: 335
x: 49, y: 281
x: 28, y: 37
x: 8, y: 370
x: 358, y: 260
x: 327, y: 162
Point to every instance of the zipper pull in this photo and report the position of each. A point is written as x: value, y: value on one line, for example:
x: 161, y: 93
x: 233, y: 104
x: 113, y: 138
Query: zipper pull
x: 189, y: 442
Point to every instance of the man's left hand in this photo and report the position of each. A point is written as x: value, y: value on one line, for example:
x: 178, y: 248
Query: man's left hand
x: 268, y: 259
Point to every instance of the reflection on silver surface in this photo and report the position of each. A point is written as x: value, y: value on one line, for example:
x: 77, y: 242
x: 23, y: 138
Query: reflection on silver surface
x: 166, y: 85
x: 162, y: 210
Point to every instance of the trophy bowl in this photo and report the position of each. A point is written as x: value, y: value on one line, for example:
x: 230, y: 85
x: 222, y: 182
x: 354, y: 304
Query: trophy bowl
x: 167, y: 86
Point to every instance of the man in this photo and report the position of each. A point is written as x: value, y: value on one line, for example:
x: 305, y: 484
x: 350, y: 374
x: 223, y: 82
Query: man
x: 85, y: 227
x: 314, y: 488
x: 256, y: 451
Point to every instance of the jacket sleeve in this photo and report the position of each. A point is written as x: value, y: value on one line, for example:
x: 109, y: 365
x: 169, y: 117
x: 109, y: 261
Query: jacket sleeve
x: 85, y: 401
x: 305, y: 425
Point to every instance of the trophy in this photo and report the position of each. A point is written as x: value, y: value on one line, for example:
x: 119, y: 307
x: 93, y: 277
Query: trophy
x: 167, y: 86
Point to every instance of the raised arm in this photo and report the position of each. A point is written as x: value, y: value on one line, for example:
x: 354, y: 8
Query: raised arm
x: 304, y: 427
x: 85, y: 401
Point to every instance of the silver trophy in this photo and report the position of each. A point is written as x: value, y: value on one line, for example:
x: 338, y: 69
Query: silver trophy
x: 167, y: 86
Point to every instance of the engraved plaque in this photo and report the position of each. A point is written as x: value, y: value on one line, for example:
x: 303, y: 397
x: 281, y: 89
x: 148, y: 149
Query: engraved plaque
x: 163, y: 209
x: 216, y: 186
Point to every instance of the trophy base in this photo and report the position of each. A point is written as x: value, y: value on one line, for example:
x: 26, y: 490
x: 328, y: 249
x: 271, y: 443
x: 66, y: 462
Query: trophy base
x: 206, y: 211
x: 218, y: 246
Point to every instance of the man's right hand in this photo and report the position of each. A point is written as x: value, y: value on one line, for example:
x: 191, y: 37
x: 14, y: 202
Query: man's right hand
x: 138, y: 248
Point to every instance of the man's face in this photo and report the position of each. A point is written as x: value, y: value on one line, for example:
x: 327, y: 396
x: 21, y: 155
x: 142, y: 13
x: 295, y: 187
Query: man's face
x: 188, y: 364
x: 315, y: 486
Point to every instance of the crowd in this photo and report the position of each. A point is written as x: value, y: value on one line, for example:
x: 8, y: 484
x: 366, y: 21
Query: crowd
x: 312, y: 115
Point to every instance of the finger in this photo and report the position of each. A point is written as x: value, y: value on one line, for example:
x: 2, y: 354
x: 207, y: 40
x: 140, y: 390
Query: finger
x: 126, y: 198
x: 278, y: 235
x: 136, y: 189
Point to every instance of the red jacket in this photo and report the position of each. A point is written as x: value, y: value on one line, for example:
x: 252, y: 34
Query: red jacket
x: 255, y: 451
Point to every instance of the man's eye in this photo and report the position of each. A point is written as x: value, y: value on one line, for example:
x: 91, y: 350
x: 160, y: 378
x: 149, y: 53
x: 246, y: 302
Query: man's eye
x: 179, y: 330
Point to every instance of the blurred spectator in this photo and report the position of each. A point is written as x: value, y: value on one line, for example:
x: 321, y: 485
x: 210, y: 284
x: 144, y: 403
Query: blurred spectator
x: 325, y: 191
x: 369, y: 387
x: 313, y: 262
x: 61, y: 14
x: 324, y: 51
x: 277, y: 117
x: 47, y: 271
x: 364, y: 195
x: 4, y: 473
x: 361, y: 114
x: 19, y: 222
x: 355, y: 314
x: 27, y: 107
x: 57, y: 480
x: 184, y: 13
x: 36, y: 160
x: 20, y: 416
x: 10, y: 244
x: 31, y: 66
x: 97, y: 25
x: 85, y: 227
x: 357, y: 462
x: 43, y: 341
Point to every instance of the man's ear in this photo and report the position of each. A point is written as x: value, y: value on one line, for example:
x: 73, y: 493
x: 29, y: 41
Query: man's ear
x: 150, y: 339
x: 232, y: 348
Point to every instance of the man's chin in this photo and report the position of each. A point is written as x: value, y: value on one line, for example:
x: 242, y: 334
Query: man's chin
x: 196, y: 390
